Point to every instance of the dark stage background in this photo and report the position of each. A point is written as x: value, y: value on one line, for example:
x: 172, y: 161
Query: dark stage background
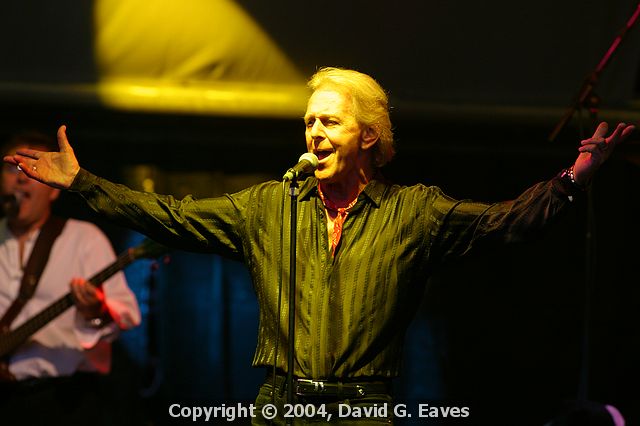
x: 476, y: 90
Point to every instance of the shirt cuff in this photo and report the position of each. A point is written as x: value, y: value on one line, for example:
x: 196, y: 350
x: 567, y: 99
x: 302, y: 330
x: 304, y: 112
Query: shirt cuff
x: 83, y: 181
x: 565, y: 187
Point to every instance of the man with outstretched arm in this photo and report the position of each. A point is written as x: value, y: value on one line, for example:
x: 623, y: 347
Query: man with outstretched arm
x: 368, y: 250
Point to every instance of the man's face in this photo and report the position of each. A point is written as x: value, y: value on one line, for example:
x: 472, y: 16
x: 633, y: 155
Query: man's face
x: 34, y: 198
x: 333, y: 134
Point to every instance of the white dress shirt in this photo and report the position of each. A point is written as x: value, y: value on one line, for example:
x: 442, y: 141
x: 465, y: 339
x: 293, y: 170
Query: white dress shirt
x: 68, y: 343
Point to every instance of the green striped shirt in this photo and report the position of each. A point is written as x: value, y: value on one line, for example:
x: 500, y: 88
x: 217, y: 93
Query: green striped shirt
x: 352, y: 310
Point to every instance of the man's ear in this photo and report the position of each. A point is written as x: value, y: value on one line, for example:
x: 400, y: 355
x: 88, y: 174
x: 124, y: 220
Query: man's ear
x: 368, y: 138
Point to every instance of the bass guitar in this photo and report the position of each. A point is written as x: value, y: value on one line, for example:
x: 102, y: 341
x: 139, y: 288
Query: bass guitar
x: 10, y: 340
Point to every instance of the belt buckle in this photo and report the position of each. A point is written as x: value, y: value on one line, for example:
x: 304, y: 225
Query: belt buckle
x: 303, y: 386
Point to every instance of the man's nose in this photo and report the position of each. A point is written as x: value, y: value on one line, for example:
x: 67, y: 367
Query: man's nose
x: 317, y: 130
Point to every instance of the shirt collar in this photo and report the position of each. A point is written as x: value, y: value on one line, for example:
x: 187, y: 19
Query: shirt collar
x: 374, y: 190
x: 6, y: 234
x: 308, y: 188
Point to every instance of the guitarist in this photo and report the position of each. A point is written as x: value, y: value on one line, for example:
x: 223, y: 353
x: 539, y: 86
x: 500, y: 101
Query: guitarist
x: 53, y: 375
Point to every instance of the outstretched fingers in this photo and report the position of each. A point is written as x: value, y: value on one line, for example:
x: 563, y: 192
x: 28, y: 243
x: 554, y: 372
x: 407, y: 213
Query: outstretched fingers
x: 10, y: 159
x: 28, y: 166
x: 23, y: 158
x: 623, y: 131
x: 599, y: 142
x: 31, y: 153
x: 601, y: 131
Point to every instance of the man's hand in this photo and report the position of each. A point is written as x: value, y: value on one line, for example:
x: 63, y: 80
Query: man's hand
x: 89, y: 299
x: 595, y: 150
x: 56, y: 169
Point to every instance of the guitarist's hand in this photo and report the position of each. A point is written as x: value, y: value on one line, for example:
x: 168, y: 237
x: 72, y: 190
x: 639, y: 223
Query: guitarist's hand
x: 89, y: 300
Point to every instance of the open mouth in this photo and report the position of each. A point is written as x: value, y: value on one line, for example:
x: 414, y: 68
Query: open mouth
x: 323, y: 153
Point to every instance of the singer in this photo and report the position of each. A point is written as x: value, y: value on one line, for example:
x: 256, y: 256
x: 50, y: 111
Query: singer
x: 369, y: 245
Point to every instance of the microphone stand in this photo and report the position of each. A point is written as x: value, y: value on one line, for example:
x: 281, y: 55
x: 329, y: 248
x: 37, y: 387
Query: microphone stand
x: 587, y: 99
x: 585, y: 95
x: 293, y: 193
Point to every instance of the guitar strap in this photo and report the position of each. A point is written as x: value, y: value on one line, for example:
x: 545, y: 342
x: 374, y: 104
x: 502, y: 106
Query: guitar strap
x: 35, y: 265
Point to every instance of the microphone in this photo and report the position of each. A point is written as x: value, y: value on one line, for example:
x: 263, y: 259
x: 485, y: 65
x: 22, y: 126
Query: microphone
x: 9, y: 202
x: 307, y: 164
x: 10, y: 199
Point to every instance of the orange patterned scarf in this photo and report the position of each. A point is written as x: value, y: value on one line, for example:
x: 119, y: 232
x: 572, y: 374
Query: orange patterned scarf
x: 342, y: 213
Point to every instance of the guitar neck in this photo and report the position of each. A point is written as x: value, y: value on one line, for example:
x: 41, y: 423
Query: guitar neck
x: 14, y: 338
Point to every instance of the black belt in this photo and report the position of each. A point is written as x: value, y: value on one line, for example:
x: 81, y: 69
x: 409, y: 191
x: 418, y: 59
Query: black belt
x: 356, y: 388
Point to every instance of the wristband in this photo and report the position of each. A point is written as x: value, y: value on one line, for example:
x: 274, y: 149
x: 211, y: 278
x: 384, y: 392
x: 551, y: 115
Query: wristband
x: 568, y: 174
